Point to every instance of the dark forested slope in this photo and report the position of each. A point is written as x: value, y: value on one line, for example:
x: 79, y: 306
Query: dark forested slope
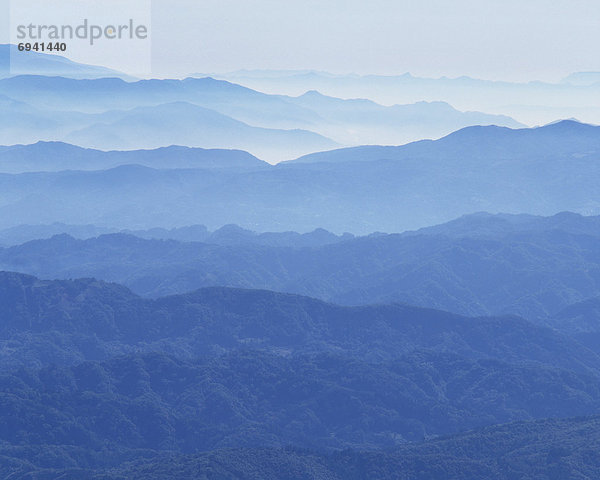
x: 67, y: 321
x: 94, y: 377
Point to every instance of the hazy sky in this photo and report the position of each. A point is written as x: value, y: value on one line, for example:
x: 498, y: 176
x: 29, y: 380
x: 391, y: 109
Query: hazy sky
x: 495, y: 39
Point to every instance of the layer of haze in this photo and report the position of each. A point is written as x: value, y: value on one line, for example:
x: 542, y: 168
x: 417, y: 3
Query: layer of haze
x: 496, y: 39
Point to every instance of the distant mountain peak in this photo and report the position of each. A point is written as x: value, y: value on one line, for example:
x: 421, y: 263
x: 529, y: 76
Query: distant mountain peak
x: 312, y: 93
x: 567, y: 124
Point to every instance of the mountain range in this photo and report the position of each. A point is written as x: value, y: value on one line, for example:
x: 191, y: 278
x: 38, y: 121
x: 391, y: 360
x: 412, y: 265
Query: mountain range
x: 478, y: 265
x: 110, y: 113
x: 533, y: 102
x: 99, y: 321
x: 59, y: 156
x: 567, y: 139
x: 226, y: 235
x: 539, y: 171
x: 126, y: 385
x: 195, y: 282
x: 182, y: 123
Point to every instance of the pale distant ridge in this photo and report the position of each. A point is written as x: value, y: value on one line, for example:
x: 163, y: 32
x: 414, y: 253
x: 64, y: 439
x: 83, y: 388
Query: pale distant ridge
x: 564, y: 137
x: 13, y: 62
x: 110, y: 113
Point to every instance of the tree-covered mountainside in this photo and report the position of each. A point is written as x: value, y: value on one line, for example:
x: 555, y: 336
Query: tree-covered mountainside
x: 545, y: 450
x: 201, y: 280
x: 97, y: 382
x: 549, y: 449
x: 250, y: 398
x: 66, y: 322
x: 478, y: 265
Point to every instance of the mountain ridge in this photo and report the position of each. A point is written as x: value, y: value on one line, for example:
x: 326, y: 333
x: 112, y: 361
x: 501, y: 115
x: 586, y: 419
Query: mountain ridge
x: 449, y: 267
x: 460, y: 139
x: 220, y: 319
x: 346, y: 122
x: 66, y: 156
